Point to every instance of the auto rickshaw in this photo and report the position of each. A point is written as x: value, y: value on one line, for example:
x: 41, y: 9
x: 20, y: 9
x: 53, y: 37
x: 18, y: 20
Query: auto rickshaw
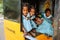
x: 12, y: 18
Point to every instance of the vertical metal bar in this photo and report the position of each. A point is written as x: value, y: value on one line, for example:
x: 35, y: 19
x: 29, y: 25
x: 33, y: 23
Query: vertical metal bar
x: 53, y: 6
x: 20, y: 14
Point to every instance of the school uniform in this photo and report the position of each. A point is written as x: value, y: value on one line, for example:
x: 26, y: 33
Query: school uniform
x: 48, y: 19
x: 28, y: 23
x: 33, y: 24
x: 45, y: 28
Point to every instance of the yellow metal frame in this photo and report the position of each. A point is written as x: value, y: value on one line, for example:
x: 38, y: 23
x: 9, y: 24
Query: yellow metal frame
x: 12, y: 30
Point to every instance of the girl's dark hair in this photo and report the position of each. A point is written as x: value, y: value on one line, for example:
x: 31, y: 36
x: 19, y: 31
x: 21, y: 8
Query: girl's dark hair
x: 25, y: 5
x: 47, y: 10
x: 37, y: 17
x: 31, y: 7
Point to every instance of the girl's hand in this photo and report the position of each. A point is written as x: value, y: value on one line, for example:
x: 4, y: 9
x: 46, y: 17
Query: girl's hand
x: 25, y: 33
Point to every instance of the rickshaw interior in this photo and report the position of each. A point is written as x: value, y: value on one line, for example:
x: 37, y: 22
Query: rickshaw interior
x: 40, y: 5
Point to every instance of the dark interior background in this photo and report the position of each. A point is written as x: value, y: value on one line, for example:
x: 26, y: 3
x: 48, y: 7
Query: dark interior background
x: 37, y: 3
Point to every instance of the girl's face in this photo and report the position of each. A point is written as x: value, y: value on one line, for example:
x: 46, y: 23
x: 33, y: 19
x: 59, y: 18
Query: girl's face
x: 32, y: 12
x: 48, y: 13
x: 39, y: 21
x: 25, y: 10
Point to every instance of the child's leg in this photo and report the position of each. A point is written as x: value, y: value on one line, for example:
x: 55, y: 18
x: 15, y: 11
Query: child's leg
x: 33, y: 34
x: 24, y: 31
